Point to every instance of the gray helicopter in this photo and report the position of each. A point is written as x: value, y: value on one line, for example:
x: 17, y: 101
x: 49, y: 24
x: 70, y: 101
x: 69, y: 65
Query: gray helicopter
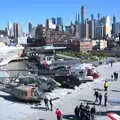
x: 29, y: 87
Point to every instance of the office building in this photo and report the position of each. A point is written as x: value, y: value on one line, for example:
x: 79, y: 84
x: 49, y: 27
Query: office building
x: 30, y: 27
x: 86, y: 28
x: 59, y: 21
x: 99, y: 16
x: 107, y: 27
x: 68, y: 29
x: 117, y: 28
x: 17, y: 30
x: 82, y: 15
x: 91, y: 24
x: 51, y: 23
x: 103, y: 28
x: 114, y: 25
x: 99, y: 33
x: 92, y: 16
x: 82, y: 22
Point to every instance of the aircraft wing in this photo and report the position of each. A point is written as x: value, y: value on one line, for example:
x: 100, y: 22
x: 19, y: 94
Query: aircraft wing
x: 113, y: 116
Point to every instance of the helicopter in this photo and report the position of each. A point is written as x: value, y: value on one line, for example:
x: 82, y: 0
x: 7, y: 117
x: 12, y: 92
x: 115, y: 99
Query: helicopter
x: 29, y: 87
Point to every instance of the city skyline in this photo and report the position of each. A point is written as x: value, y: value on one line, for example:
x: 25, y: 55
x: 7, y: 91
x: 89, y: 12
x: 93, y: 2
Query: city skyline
x: 37, y: 12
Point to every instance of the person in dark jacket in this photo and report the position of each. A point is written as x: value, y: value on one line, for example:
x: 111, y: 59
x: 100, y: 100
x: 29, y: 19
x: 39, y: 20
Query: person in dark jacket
x: 96, y: 94
x: 105, y: 99
x: 100, y: 98
x: 76, y: 111
x: 93, y: 111
x: 51, y: 105
x: 81, y: 109
x: 87, y: 112
x: 46, y: 103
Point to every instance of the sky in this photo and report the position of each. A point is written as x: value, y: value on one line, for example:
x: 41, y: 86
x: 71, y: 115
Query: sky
x: 36, y: 11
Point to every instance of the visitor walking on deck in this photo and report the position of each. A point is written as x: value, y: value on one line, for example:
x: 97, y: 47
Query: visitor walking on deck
x: 51, y: 105
x: 96, y: 94
x: 81, y: 109
x: 100, y: 98
x: 46, y: 103
x: 87, y: 112
x: 115, y: 76
x: 58, y: 114
x: 111, y: 77
x: 76, y: 111
x: 93, y: 111
x: 105, y: 99
x: 111, y: 63
x: 105, y: 85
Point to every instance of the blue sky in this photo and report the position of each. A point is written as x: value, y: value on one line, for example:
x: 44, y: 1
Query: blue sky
x: 36, y: 11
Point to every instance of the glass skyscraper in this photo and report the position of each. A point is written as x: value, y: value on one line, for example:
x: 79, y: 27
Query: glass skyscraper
x: 59, y: 21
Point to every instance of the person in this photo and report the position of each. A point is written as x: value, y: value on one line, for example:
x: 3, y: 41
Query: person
x: 111, y: 76
x: 100, y: 98
x: 69, y: 69
x: 105, y: 85
x: 111, y: 62
x: 93, y: 111
x: 58, y: 114
x: 46, y: 103
x: 105, y: 99
x: 76, y: 111
x: 51, y: 105
x: 116, y: 76
x: 45, y: 64
x: 87, y: 112
x: 96, y: 94
x: 81, y: 109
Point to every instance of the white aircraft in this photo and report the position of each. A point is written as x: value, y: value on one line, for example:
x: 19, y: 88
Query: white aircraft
x: 113, y: 116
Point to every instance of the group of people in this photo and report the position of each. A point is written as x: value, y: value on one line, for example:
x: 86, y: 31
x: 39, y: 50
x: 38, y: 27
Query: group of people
x: 84, y: 112
x: 47, y: 102
x: 98, y: 95
x: 98, y: 98
x: 114, y: 76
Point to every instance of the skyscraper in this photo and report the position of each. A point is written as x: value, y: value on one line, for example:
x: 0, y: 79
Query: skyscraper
x: 30, y: 27
x: 82, y: 15
x: 99, y: 29
x: 91, y: 24
x: 107, y: 26
x: 59, y: 21
x: 9, y: 28
x: 114, y: 25
x: 92, y: 16
x: 76, y: 19
x: 17, y: 29
x: 51, y: 23
x: 82, y: 22
x: 86, y: 29
x: 98, y: 16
